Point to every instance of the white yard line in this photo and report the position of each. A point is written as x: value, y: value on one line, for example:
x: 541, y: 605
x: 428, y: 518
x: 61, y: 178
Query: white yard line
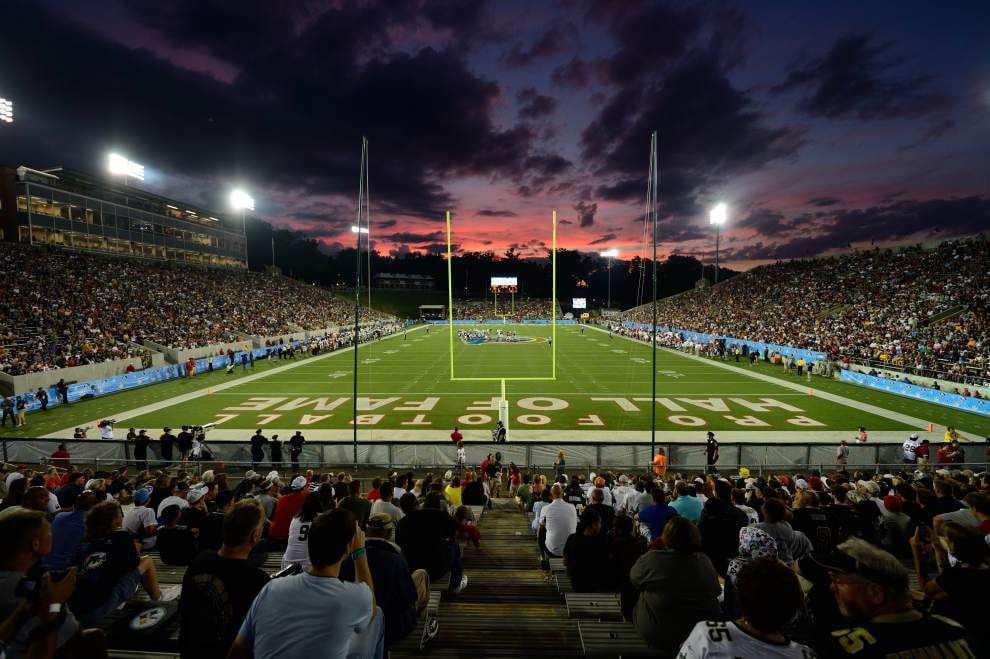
x: 66, y: 433
x: 920, y: 424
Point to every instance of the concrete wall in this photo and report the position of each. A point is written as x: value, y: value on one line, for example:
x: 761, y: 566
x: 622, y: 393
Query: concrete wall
x: 20, y: 384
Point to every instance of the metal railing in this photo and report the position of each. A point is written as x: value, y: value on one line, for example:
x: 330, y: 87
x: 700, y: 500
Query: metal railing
x: 580, y: 456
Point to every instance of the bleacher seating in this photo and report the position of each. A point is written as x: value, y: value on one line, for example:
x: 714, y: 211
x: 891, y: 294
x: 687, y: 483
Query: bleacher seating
x: 926, y: 311
x: 66, y: 309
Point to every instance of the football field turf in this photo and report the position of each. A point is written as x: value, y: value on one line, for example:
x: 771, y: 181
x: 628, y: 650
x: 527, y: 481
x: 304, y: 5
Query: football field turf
x: 602, y: 384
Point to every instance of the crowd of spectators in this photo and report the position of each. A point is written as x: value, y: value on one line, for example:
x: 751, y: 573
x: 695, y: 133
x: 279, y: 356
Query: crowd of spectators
x: 792, y: 565
x: 357, y: 562
x: 511, y: 310
x: 64, y: 309
x: 881, y: 307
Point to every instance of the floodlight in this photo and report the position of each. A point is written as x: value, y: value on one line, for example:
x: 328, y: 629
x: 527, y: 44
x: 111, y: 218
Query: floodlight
x: 123, y: 167
x: 357, y: 229
x: 241, y: 200
x: 609, y: 253
x: 6, y: 111
x: 718, y: 214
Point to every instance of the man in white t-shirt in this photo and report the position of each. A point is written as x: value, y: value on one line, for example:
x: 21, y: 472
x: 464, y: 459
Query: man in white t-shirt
x: 767, y: 595
x: 911, y: 450
x: 141, y: 521
x: 384, y: 504
x: 621, y: 492
x: 178, y: 498
x: 559, y: 518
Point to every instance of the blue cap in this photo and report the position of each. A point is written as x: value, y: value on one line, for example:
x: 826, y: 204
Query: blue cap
x: 141, y: 496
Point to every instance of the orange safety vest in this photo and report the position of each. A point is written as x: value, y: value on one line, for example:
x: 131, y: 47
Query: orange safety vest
x: 659, y: 464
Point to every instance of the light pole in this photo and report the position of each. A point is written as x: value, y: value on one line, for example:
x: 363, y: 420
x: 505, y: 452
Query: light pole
x: 717, y: 216
x: 609, y: 254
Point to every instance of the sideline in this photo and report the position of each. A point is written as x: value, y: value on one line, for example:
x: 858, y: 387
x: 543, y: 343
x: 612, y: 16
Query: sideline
x: 66, y: 433
x: 934, y: 437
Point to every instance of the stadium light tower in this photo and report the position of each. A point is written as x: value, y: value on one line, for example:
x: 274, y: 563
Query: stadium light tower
x: 717, y: 216
x: 6, y: 110
x: 609, y: 254
x: 121, y: 166
x: 241, y: 200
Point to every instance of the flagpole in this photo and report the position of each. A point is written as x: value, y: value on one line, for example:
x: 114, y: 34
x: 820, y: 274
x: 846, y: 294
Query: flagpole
x: 652, y: 209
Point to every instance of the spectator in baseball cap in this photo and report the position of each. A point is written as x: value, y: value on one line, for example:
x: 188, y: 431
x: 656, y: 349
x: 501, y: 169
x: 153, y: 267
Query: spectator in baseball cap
x: 870, y: 586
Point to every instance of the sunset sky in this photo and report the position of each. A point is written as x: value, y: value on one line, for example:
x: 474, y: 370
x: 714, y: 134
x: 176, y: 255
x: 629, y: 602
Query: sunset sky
x: 819, y: 124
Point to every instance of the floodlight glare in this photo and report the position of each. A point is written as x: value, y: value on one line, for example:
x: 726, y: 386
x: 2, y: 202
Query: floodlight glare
x: 357, y: 229
x: 6, y: 111
x: 718, y: 215
x: 121, y: 166
x: 241, y: 200
x: 609, y: 253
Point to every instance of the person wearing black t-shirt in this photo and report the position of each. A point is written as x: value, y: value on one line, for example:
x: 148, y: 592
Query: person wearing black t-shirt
x: 586, y: 556
x: 185, y: 442
x: 141, y: 442
x: 211, y: 527
x: 428, y: 537
x: 219, y: 586
x: 258, y: 442
x: 711, y: 453
x: 879, y: 618
x: 167, y: 443
x: 295, y: 449
x: 275, y: 449
x: 176, y: 542
x: 110, y: 568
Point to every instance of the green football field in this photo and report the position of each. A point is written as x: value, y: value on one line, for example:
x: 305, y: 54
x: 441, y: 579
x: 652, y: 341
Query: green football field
x: 602, y: 383
x: 601, y: 393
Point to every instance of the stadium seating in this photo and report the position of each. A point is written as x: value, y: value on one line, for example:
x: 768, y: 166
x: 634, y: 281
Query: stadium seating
x: 926, y: 311
x: 509, y: 588
x: 520, y: 309
x: 66, y: 309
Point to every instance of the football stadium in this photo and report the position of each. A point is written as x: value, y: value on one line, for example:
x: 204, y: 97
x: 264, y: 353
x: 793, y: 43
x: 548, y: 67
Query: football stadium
x: 648, y: 330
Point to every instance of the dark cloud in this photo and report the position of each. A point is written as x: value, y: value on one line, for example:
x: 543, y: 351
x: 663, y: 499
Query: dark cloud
x: 575, y: 73
x: 495, y: 212
x: 440, y: 248
x: 764, y: 220
x: 586, y: 213
x: 650, y: 37
x: 858, y: 78
x: 413, y: 237
x: 905, y: 219
x: 822, y: 202
x: 533, y: 105
x: 709, y: 132
x: 604, y: 238
x: 322, y: 76
x: 550, y: 42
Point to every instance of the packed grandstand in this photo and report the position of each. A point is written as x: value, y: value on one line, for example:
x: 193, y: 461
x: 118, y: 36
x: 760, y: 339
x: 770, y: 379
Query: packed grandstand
x: 520, y: 308
x: 66, y: 309
x: 925, y: 311
x: 658, y: 563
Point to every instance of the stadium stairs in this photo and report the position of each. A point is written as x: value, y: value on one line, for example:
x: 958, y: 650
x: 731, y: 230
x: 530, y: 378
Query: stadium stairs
x: 513, y: 608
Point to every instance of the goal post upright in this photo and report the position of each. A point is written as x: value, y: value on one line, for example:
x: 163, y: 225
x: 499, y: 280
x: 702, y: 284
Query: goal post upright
x: 503, y: 406
x: 450, y: 298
